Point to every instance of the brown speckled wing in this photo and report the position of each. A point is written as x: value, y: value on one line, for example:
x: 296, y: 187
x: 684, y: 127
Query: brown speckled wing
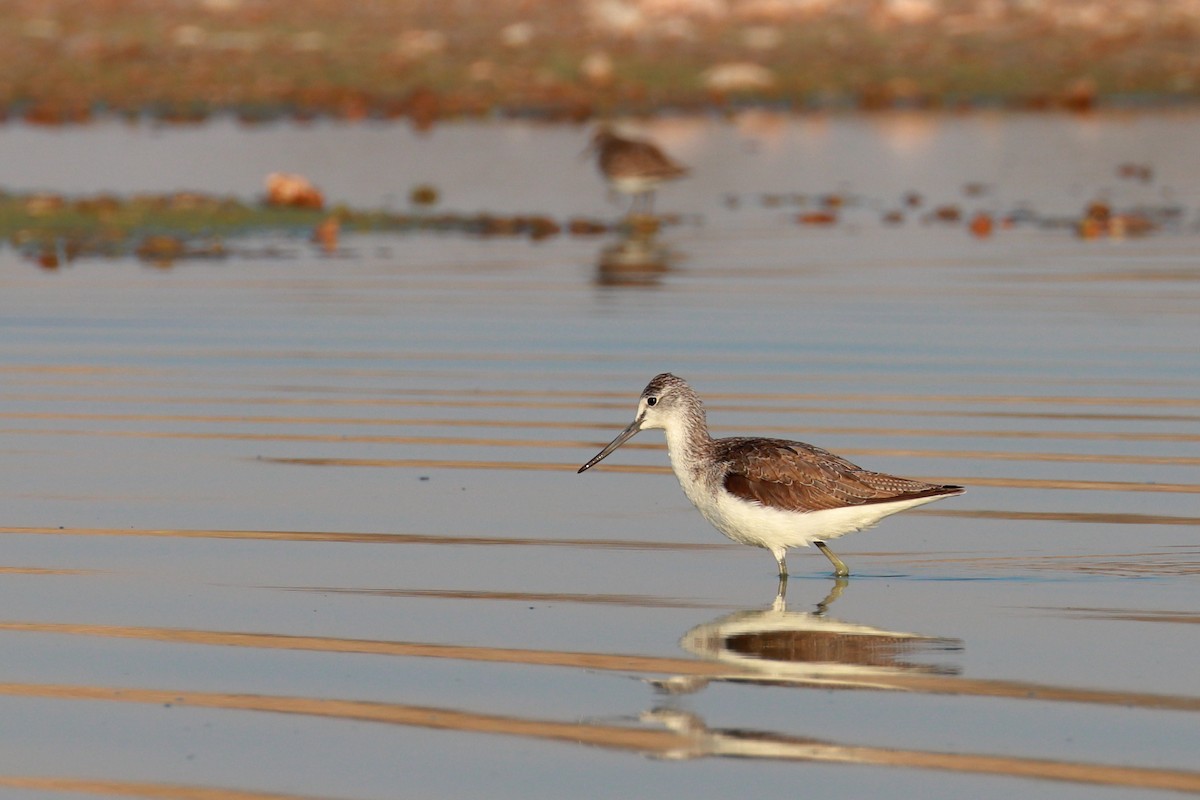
x: 622, y: 158
x: 793, y: 476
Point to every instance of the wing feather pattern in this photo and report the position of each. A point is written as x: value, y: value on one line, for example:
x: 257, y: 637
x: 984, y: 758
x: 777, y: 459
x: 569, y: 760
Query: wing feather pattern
x: 794, y: 476
x: 633, y: 158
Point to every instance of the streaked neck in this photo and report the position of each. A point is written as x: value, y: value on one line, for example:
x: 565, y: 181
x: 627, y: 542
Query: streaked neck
x: 688, y: 441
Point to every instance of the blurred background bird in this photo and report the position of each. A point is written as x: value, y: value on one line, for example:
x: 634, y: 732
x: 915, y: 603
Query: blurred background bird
x: 633, y: 166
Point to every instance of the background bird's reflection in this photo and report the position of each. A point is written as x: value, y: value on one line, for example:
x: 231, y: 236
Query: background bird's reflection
x: 637, y: 258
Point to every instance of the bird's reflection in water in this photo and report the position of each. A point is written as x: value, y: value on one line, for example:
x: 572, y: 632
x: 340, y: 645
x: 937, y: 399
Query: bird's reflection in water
x: 807, y: 648
x: 638, y: 258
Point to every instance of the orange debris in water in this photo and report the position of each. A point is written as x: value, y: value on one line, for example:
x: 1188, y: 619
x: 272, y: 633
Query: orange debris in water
x: 543, y: 228
x: 579, y: 226
x: 1098, y: 210
x: 817, y: 218
x: 326, y: 234
x: 423, y: 195
x: 296, y: 191
x: 947, y: 213
x: 981, y: 225
x: 1099, y: 221
x: 1136, y: 172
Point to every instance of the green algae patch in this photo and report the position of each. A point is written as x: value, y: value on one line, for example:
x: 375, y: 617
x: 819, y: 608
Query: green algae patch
x: 53, y: 229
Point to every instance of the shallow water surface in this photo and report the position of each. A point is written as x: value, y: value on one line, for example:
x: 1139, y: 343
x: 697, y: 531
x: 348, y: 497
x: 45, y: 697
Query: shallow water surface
x: 311, y: 527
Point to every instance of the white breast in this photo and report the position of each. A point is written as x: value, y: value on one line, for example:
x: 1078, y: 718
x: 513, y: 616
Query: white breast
x: 635, y: 184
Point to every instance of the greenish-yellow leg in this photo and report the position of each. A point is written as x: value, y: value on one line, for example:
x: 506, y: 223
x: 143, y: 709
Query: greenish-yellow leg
x: 839, y: 586
x: 839, y: 567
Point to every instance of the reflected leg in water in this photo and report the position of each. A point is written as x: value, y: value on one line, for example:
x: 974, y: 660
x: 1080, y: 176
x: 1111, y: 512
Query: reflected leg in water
x: 780, y: 602
x: 839, y: 586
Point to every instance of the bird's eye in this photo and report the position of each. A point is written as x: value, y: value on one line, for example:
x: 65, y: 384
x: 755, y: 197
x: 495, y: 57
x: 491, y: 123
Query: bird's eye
x: 651, y: 401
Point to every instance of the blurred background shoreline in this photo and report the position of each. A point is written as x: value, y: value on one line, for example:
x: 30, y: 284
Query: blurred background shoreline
x: 70, y: 61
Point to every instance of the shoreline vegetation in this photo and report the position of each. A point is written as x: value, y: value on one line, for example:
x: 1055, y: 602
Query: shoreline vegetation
x: 71, y: 61
x: 52, y: 230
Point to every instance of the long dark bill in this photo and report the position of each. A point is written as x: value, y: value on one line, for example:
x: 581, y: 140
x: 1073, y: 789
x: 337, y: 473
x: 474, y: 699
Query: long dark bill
x: 621, y: 439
